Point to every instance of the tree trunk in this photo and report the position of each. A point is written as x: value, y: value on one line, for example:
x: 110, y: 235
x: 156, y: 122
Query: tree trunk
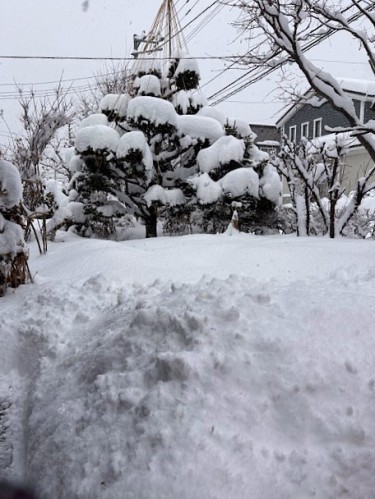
x: 151, y: 222
x: 332, y: 217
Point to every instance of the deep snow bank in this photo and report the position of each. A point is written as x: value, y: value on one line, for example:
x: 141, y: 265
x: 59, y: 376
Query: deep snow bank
x: 219, y: 389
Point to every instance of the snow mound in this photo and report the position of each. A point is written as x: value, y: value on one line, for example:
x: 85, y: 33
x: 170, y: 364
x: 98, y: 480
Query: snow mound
x: 270, y: 185
x: 241, y: 181
x: 10, y: 185
x: 153, y: 110
x: 212, y: 112
x: 199, y: 128
x: 135, y: 141
x: 115, y: 105
x: 218, y: 389
x: 94, y: 119
x: 208, y: 191
x: 242, y: 128
x: 222, y: 152
x: 171, y: 197
x: 148, y: 85
x: 97, y: 138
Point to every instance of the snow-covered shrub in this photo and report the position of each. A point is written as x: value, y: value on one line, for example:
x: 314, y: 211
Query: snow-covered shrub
x: 13, y: 250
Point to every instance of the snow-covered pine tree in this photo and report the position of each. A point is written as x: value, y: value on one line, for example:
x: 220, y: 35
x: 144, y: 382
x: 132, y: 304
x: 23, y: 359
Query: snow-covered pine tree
x: 230, y: 169
x: 13, y: 250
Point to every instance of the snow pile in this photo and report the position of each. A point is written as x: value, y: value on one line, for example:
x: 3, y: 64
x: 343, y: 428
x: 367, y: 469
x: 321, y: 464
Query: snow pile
x: 171, y: 197
x: 221, y: 152
x: 181, y: 101
x: 94, y: 119
x: 208, y: 191
x: 97, y: 138
x: 185, y: 65
x: 199, y: 128
x: 240, y: 182
x: 242, y: 128
x: 197, y: 99
x: 271, y: 185
x: 153, y: 110
x: 115, y: 105
x: 135, y: 141
x: 10, y: 185
x: 216, y: 386
x: 11, y: 239
x: 258, y: 156
x: 212, y: 112
x: 148, y: 85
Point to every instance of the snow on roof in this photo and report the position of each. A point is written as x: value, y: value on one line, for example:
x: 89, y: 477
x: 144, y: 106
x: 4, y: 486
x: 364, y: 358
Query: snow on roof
x: 117, y: 103
x: 147, y: 85
x: 199, y: 127
x: 153, y: 109
x: 10, y: 185
x: 358, y: 86
x: 241, y: 181
x: 208, y: 191
x: 269, y: 143
x: 94, y: 119
x: 135, y: 140
x: 97, y: 138
x: 223, y: 151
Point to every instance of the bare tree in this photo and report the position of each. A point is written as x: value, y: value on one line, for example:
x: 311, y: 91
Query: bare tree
x: 279, y: 30
x: 41, y: 120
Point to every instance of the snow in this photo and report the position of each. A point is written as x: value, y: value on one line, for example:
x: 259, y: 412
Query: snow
x: 212, y: 112
x: 208, y: 191
x: 148, y: 85
x: 359, y: 86
x: 10, y: 185
x: 152, y: 109
x: 271, y: 185
x: 199, y: 128
x: 242, y: 127
x: 221, y: 152
x: 258, y: 156
x: 94, y: 119
x: 116, y: 104
x: 185, y: 64
x: 135, y: 141
x: 181, y: 100
x: 171, y: 197
x: 241, y: 181
x: 199, y: 366
x: 98, y: 138
x: 11, y: 239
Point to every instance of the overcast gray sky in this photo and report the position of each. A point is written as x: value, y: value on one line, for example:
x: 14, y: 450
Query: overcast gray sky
x: 106, y: 28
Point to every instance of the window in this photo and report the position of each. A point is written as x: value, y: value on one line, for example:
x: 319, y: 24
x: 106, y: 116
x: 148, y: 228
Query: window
x: 293, y: 133
x: 317, y: 128
x: 305, y: 130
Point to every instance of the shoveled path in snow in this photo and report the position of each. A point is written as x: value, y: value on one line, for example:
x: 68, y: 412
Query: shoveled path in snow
x: 217, y: 386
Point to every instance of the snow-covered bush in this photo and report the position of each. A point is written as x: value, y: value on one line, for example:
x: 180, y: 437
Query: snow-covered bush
x: 13, y: 250
x: 164, y: 153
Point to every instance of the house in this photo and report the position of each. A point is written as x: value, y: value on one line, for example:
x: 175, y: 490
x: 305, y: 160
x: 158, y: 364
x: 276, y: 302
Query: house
x: 267, y: 138
x: 305, y: 120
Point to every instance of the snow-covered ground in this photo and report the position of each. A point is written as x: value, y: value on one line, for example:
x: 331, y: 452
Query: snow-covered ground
x: 227, y: 367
